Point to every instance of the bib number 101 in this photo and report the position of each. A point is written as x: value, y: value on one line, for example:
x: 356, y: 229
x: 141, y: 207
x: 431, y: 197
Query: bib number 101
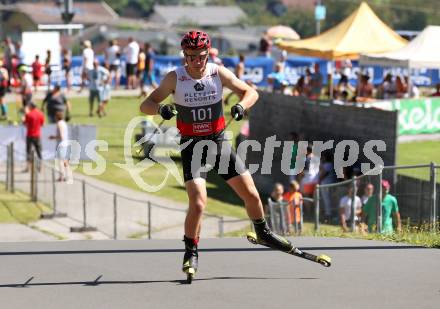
x: 201, y: 114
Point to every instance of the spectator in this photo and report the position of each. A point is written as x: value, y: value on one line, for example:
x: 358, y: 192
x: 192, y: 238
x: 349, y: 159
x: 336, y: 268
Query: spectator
x: 148, y: 74
x: 37, y: 71
x: 131, y: 55
x: 140, y: 67
x: 25, y: 86
x: 33, y: 120
x: 294, y: 198
x: 213, y: 56
x: 98, y: 78
x: 104, y: 94
x: 239, y: 68
x: 413, y: 92
x: 114, y: 62
x: 299, y: 89
x: 368, y: 192
x: 67, y: 63
x: 364, y: 89
x: 344, y: 85
x: 276, y: 200
x: 345, y: 209
x: 437, y: 91
x: 342, y: 98
x: 265, y: 45
x: 388, y: 88
x: 9, y: 51
x: 20, y: 53
x: 316, y: 83
x: 277, y: 79
x: 56, y: 102
x: 47, y: 67
x: 4, y: 78
x: 88, y: 55
x: 327, y: 175
x: 401, y: 88
x: 61, y: 138
x: 389, y: 209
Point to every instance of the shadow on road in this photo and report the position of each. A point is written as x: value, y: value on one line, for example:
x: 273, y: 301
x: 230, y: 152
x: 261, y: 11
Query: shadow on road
x: 329, y: 248
x: 97, y: 281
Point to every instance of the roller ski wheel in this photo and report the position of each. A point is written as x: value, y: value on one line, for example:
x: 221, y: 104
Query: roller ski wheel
x: 190, y: 273
x: 322, y: 259
x: 252, y: 238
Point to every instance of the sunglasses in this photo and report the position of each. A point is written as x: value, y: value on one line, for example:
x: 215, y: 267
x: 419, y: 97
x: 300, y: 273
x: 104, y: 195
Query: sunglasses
x: 200, y: 57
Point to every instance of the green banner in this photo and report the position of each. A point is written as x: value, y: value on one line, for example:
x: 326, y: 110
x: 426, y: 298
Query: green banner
x: 418, y: 116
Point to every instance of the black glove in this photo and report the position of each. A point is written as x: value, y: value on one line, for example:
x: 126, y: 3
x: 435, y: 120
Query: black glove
x: 167, y: 111
x: 237, y: 112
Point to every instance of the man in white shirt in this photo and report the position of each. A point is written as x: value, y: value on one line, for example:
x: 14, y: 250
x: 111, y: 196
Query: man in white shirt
x: 345, y: 208
x: 113, y: 59
x: 88, y: 55
x: 131, y: 52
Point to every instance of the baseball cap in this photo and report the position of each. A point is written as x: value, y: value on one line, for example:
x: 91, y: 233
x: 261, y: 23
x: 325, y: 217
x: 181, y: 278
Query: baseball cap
x: 385, y: 184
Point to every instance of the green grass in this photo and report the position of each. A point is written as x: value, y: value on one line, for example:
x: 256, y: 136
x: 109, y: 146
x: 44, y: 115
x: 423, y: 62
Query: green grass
x: 420, y: 236
x: 17, y: 208
x: 418, y: 153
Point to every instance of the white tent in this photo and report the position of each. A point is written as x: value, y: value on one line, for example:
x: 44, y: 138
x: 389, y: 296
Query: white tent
x: 422, y: 52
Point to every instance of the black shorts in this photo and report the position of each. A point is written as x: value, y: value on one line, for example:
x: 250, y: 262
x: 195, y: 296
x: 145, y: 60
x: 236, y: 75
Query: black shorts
x: 2, y: 92
x: 131, y: 69
x: 33, y: 142
x: 114, y: 68
x: 209, y: 152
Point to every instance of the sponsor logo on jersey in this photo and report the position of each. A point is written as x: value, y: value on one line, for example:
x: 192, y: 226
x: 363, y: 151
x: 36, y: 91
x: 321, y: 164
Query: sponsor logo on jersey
x: 199, y: 86
x: 203, y: 127
x: 184, y: 78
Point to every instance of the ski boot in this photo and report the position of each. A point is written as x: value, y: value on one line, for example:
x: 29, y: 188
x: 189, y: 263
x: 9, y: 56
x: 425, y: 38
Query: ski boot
x: 265, y: 237
x: 190, y: 259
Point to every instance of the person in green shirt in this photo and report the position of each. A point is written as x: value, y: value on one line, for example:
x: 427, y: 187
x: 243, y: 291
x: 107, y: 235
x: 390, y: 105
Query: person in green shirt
x: 390, y: 209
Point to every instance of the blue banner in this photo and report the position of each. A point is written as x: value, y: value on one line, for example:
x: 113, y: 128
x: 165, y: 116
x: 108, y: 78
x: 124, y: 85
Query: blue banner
x: 258, y: 68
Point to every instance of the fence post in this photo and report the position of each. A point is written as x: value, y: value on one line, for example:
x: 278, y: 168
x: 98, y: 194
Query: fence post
x: 220, y: 226
x: 316, y: 208
x: 8, y: 170
x: 11, y: 170
x: 433, y: 197
x: 115, y: 215
x: 85, y: 227
x: 54, y: 192
x: 37, y: 171
x: 149, y: 220
x: 32, y: 183
x: 353, y: 206
x: 379, y: 205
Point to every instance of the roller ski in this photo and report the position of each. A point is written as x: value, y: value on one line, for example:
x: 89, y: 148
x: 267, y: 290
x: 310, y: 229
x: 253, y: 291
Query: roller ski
x: 190, y: 259
x: 268, y: 239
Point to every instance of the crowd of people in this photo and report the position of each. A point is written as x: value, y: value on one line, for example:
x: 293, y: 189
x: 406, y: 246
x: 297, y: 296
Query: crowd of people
x: 295, y: 207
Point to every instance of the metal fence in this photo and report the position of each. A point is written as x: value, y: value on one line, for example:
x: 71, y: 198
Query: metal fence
x: 95, y: 208
x: 415, y: 188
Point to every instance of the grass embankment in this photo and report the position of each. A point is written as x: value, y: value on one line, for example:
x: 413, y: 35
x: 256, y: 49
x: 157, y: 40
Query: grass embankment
x: 17, y: 208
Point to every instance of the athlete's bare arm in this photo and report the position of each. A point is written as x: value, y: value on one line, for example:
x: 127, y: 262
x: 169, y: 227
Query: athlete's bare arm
x: 167, y: 86
x: 248, y: 96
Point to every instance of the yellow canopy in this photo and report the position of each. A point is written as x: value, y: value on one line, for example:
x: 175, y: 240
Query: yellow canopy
x: 361, y: 32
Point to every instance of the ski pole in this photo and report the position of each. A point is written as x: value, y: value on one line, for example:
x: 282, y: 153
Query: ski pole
x: 144, y: 140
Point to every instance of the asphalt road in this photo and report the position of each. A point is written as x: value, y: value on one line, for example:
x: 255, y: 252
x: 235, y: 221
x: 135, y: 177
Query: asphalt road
x: 232, y: 274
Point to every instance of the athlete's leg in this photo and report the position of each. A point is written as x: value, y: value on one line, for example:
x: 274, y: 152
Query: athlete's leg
x: 196, y: 190
x: 244, y: 186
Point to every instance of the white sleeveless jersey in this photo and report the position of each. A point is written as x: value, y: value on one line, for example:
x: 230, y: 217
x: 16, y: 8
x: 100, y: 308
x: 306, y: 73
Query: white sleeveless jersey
x: 199, y: 102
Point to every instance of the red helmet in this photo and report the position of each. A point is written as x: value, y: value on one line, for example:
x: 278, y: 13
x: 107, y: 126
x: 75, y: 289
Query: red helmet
x: 195, y: 40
